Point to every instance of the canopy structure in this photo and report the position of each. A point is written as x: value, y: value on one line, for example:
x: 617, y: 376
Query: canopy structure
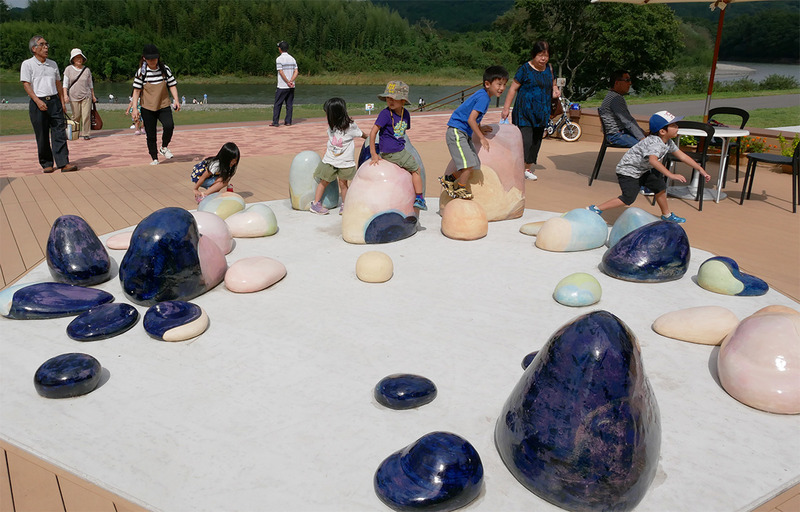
x: 722, y: 4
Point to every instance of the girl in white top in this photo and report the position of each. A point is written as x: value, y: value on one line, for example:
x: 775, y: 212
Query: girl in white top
x: 338, y: 162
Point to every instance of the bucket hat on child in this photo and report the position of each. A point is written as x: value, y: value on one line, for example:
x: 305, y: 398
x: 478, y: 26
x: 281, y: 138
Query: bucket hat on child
x: 74, y: 53
x: 395, y: 89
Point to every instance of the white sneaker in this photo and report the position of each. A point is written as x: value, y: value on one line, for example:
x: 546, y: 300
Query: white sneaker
x: 133, y: 126
x: 166, y: 152
x: 154, y: 162
x: 530, y: 176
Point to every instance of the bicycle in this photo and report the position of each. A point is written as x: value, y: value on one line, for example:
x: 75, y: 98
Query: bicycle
x: 567, y: 129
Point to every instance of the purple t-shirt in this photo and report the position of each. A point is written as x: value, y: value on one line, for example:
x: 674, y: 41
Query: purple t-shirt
x: 392, y: 129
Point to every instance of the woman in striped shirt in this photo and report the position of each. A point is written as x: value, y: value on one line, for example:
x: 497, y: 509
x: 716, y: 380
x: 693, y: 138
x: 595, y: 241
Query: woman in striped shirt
x: 154, y: 83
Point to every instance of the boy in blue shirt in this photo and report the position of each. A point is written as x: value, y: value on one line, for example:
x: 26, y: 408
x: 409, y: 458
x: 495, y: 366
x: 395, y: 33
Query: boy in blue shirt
x: 465, y: 121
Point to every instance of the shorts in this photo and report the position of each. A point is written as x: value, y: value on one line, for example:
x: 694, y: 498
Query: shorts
x: 327, y: 172
x: 462, y: 150
x: 630, y: 186
x: 404, y: 159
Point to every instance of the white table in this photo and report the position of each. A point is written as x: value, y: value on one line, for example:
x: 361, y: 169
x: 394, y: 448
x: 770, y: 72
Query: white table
x: 690, y: 191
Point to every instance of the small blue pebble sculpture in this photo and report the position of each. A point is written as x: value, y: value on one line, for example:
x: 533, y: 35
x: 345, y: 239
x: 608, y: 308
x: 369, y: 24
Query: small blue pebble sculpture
x: 67, y: 375
x: 49, y: 300
x: 527, y: 360
x: 653, y: 253
x: 438, y: 472
x: 74, y: 253
x: 581, y: 429
x: 175, y: 320
x: 101, y: 322
x: 404, y: 391
x: 722, y: 275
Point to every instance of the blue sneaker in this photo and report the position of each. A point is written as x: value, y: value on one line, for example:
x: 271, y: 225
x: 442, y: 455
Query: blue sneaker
x: 592, y: 208
x: 673, y: 218
x: 419, y: 203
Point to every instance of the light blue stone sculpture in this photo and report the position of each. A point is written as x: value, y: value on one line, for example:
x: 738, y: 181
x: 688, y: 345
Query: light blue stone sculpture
x: 303, y: 186
x: 577, y: 230
x: 631, y: 219
x: 722, y: 275
x: 578, y: 289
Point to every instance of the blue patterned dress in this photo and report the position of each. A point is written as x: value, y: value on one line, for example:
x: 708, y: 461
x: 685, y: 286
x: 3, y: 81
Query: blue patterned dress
x: 532, y: 104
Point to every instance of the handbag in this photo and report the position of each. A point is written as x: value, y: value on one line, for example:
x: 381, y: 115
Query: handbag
x: 97, y: 121
x: 73, y: 128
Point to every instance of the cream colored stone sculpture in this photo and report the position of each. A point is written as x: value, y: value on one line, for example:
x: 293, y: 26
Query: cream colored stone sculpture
x: 223, y: 204
x: 499, y: 185
x: 577, y: 230
x: 257, y: 220
x: 706, y: 325
x: 759, y: 362
x: 250, y: 275
x: 374, y: 267
x: 531, y: 228
x: 463, y: 219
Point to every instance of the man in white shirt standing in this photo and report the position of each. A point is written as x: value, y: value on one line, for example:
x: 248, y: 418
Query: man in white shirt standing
x: 42, y: 81
x: 287, y: 72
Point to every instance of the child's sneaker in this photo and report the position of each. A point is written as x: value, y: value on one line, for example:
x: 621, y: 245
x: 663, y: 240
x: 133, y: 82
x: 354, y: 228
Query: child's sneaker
x: 673, y: 218
x: 448, y: 184
x: 166, y: 152
x: 530, y: 176
x: 419, y: 202
x: 460, y: 192
x: 318, y: 208
x: 154, y: 162
x: 133, y: 126
x: 341, y: 208
x: 592, y: 208
x: 646, y: 191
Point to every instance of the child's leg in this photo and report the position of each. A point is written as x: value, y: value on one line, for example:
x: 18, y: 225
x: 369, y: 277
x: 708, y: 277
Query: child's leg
x: 661, y: 200
x: 320, y: 190
x: 611, y: 203
x: 416, y: 180
x: 343, y: 189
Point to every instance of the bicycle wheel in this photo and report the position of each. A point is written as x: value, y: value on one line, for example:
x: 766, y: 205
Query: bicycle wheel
x: 571, y: 132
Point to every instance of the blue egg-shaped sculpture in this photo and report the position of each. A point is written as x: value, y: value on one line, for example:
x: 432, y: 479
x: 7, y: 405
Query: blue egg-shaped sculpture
x: 722, y: 275
x: 438, y: 472
x: 67, y: 375
x: 632, y: 218
x: 74, y: 253
x: 404, y: 391
x: 582, y: 429
x: 167, y: 259
x: 49, y: 300
x: 101, y: 322
x: 653, y: 253
x: 175, y: 320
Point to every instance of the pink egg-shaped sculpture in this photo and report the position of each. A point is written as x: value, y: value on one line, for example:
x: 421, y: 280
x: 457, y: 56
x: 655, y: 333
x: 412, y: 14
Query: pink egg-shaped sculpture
x: 215, y: 228
x: 759, y: 362
x: 499, y: 185
x: 380, y: 205
x: 120, y: 241
x: 212, y: 262
x: 253, y: 274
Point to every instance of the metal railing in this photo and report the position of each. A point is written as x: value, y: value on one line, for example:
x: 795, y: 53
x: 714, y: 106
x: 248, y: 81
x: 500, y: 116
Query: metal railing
x: 459, y: 96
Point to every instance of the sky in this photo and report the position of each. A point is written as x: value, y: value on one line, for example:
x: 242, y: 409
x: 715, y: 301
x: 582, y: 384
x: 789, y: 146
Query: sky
x: 17, y: 3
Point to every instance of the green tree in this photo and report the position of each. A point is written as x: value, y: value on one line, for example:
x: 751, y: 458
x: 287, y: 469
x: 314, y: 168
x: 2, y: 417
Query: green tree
x: 589, y: 41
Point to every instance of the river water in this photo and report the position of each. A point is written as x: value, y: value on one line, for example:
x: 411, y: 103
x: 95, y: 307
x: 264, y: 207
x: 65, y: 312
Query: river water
x: 264, y: 94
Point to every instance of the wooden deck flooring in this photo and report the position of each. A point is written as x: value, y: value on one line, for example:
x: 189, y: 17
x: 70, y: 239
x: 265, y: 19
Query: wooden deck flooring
x: 762, y: 235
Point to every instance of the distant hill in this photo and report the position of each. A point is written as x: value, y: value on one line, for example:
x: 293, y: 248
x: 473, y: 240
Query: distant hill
x: 451, y: 15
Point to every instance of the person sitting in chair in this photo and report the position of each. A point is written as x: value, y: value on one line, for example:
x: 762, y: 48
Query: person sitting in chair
x: 621, y: 128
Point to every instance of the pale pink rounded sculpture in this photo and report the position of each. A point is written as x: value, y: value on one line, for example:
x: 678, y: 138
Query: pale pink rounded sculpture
x: 250, y: 275
x: 215, y: 228
x: 463, y: 219
x: 706, y: 325
x: 759, y: 362
x: 212, y: 262
x: 376, y: 189
x: 120, y: 241
x: 499, y: 186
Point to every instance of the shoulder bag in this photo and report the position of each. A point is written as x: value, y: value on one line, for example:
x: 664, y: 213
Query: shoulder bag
x: 97, y: 121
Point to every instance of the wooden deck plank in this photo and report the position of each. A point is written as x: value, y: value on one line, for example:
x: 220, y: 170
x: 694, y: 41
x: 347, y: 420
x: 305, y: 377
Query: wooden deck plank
x: 11, y: 264
x: 93, y: 191
x: 7, y: 194
x: 35, y: 489
x: 36, y: 217
x: 70, y: 184
x: 6, y: 498
x: 43, y: 199
x: 79, y: 499
x: 27, y: 244
x: 56, y: 193
x: 123, y: 200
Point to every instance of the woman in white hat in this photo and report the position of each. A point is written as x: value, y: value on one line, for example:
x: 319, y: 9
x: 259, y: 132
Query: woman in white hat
x: 79, y: 90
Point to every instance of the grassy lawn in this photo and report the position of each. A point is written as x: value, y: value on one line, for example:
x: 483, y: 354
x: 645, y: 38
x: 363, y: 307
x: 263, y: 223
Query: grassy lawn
x: 762, y: 117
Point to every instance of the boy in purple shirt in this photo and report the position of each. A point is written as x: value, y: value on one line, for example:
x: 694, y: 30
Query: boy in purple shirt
x: 392, y: 123
x: 465, y: 121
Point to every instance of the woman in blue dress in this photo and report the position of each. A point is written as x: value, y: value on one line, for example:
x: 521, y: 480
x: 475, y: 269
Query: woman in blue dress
x: 534, y: 87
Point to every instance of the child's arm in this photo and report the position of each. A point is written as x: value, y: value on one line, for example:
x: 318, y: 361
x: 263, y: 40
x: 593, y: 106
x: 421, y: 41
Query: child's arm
x: 216, y: 187
x: 683, y: 157
x: 375, y: 156
x: 656, y: 164
x: 197, y: 193
x: 479, y: 130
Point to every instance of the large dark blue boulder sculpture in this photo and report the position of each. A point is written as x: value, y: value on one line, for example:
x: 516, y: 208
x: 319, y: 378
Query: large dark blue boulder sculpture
x: 653, y: 253
x: 582, y: 429
x: 438, y: 472
x: 167, y: 259
x: 49, y: 300
x: 74, y: 253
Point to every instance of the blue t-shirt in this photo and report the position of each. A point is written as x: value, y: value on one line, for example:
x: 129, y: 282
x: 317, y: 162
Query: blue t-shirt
x: 478, y: 101
x: 392, y: 129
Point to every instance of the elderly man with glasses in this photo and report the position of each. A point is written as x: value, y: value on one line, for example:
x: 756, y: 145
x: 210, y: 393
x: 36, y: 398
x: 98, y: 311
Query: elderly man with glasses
x: 42, y: 81
x: 621, y: 128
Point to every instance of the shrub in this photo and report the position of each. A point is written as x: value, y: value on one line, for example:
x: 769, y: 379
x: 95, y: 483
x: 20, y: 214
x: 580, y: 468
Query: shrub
x: 787, y: 146
x: 777, y: 82
x: 743, y: 84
